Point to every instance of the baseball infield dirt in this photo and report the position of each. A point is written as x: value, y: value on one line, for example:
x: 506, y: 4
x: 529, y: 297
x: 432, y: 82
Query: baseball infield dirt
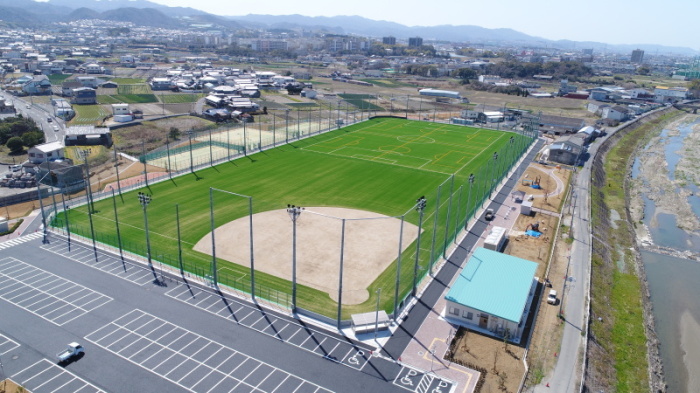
x: 371, y: 244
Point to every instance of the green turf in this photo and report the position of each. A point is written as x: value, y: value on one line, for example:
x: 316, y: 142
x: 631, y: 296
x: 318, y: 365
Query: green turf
x: 57, y: 79
x: 381, y: 165
x: 88, y: 114
x: 179, y: 98
x: 128, y: 81
x: 361, y: 101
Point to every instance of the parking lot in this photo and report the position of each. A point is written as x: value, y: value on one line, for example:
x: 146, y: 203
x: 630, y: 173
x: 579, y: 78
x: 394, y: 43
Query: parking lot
x: 107, y: 263
x: 46, y: 377
x: 190, y: 360
x: 7, y: 344
x: 163, y: 331
x: 44, y: 294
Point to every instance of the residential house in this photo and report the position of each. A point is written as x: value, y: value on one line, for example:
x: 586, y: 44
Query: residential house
x: 39, y: 84
x: 84, y: 96
x: 94, y: 68
x: 68, y: 86
x: 46, y: 152
x: 617, y: 113
x: 566, y: 150
x: 161, y: 84
x: 493, y: 294
x: 88, y: 81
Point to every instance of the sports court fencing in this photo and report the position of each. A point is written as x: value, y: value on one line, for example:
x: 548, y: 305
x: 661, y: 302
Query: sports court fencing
x: 441, y: 218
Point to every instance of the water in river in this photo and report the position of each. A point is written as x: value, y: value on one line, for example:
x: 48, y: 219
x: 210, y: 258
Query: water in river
x: 673, y: 282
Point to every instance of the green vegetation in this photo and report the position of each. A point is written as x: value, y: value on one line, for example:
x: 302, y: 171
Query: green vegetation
x: 618, y: 326
x: 57, y: 79
x: 361, y: 101
x: 88, y: 114
x: 390, y: 83
x: 380, y: 165
x: 128, y: 81
x: 303, y: 104
x: 134, y: 89
x: 179, y: 98
x: 107, y: 100
x: 18, y: 132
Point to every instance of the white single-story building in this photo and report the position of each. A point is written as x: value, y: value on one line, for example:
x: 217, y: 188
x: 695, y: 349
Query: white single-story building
x: 46, y: 152
x: 493, y: 294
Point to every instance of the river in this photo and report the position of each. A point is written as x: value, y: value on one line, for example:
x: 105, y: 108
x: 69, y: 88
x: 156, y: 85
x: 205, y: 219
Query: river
x: 673, y: 281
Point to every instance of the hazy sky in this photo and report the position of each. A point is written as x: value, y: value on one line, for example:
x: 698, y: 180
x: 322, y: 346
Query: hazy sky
x: 670, y: 22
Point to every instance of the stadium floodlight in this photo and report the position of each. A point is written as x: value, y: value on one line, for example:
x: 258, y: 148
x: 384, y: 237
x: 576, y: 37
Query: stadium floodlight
x: 421, y: 203
x: 144, y: 200
x: 294, y: 213
x: 469, y: 199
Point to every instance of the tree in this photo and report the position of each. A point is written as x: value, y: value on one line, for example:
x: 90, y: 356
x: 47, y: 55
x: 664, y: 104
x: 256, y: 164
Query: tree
x: 174, y: 133
x: 15, y: 144
x: 644, y: 70
x: 464, y: 73
x: 32, y: 138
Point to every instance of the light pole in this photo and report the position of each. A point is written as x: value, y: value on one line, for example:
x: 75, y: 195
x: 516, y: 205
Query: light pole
x: 189, y: 135
x: 493, y: 171
x: 294, y: 213
x: 376, y: 313
x: 469, y: 200
x: 85, y: 153
x: 144, y: 200
x: 420, y: 206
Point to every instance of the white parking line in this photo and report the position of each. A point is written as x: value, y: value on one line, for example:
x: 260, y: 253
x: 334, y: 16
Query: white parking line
x: 5, y: 342
x: 200, y: 343
x: 46, y: 366
x: 85, y: 257
x: 10, y: 266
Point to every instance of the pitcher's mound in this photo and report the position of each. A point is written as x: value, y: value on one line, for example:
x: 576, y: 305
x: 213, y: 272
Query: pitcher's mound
x: 369, y: 248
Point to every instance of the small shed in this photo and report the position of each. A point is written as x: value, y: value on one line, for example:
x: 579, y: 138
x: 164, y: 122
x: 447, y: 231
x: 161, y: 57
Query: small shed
x: 526, y: 208
x: 367, y: 322
x: 495, y: 239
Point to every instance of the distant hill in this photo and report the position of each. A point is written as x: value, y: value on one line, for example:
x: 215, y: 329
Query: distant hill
x: 466, y: 33
x: 115, y: 4
x: 83, y: 13
x: 141, y: 17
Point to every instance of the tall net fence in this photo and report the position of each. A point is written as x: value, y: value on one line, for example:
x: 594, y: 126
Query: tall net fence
x: 332, y: 282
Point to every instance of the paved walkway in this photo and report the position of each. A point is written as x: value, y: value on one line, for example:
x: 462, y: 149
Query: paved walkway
x: 22, y: 228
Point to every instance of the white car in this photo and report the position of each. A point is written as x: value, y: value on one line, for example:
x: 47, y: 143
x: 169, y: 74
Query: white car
x: 552, y: 297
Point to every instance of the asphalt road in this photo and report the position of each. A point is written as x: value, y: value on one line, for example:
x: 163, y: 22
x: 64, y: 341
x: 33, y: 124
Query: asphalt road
x: 40, y: 113
x: 147, y: 332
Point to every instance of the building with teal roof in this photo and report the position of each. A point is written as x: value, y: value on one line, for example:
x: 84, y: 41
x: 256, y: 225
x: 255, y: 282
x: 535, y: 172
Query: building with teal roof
x: 493, y: 294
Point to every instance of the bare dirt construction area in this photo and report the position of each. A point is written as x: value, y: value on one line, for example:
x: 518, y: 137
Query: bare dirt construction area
x: 545, y: 339
x: 500, y: 363
x: 370, y: 246
x: 552, y: 182
x: 152, y: 134
x: 535, y: 249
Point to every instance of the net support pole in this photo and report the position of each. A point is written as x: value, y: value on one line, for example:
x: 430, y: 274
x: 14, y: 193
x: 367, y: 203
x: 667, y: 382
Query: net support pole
x: 340, y: 275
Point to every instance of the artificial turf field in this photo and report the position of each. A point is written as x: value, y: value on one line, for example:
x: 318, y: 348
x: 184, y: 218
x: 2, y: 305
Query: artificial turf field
x: 380, y: 165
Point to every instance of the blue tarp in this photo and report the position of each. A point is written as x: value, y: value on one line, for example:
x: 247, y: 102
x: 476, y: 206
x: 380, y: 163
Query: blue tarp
x: 536, y: 186
x: 532, y: 233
